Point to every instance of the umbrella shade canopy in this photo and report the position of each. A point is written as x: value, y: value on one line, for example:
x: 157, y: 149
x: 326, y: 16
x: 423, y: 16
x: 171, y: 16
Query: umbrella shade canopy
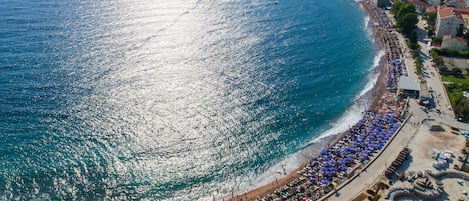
x: 325, y: 182
x: 323, y: 152
x: 347, y: 149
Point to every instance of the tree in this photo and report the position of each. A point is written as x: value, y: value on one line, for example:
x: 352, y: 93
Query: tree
x: 405, y: 9
x: 456, y: 72
x: 431, y: 18
x: 413, y: 36
x: 407, y: 23
x: 430, y: 32
x: 396, y: 6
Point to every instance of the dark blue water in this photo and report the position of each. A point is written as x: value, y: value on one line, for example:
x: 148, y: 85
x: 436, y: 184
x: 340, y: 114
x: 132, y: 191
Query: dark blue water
x: 169, y: 100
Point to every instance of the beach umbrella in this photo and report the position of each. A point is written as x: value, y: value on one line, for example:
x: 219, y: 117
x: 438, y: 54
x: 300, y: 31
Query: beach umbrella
x: 325, y: 182
x: 323, y: 152
x: 342, y: 162
x: 333, y: 169
x: 347, y: 149
x: 344, y: 169
x: 328, y: 173
x: 314, y: 159
x: 323, y: 169
x: 331, y: 162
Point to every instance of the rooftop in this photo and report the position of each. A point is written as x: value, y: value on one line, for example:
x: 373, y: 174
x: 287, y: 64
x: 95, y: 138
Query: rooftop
x: 418, y: 2
x: 408, y: 83
x: 459, y: 39
x: 445, y: 12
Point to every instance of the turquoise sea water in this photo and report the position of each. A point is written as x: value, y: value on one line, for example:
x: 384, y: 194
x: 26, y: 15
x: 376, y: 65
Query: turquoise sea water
x: 171, y: 100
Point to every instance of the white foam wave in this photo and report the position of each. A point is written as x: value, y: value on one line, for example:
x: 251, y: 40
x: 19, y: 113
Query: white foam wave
x: 373, y: 75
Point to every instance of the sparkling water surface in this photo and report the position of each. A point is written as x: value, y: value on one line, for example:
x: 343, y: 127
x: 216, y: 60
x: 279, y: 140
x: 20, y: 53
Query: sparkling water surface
x: 169, y: 100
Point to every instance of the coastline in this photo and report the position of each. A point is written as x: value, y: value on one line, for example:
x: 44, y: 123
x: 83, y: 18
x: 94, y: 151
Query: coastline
x: 373, y: 95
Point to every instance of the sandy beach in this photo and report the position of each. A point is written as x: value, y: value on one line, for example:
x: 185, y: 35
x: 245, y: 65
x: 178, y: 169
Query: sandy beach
x: 375, y: 95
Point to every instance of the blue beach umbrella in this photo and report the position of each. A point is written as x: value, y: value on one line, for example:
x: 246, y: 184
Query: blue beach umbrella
x: 342, y: 162
x: 323, y: 152
x: 325, y: 182
x: 347, y: 149
x: 323, y: 169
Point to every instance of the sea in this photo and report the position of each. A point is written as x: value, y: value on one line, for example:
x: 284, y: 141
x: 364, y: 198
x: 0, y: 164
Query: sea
x: 174, y: 100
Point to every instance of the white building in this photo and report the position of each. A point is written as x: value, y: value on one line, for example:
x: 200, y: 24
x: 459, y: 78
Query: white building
x: 448, y: 21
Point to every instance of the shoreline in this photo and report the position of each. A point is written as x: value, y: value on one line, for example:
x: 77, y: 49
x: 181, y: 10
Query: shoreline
x: 373, y: 96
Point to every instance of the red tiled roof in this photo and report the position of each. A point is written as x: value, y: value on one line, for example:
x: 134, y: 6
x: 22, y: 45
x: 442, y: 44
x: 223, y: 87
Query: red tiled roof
x: 445, y: 12
x: 431, y: 9
x: 418, y: 2
x: 462, y: 10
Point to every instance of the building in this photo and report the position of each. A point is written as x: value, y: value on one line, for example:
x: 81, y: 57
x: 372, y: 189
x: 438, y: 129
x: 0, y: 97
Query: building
x: 420, y: 6
x: 454, y: 42
x: 408, y: 87
x: 456, y: 3
x: 434, y: 3
x: 448, y: 21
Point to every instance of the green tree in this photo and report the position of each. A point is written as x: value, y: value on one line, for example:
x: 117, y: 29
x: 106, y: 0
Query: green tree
x: 430, y: 32
x: 431, y: 18
x: 413, y: 36
x: 396, y: 6
x: 404, y: 10
x: 407, y: 23
x: 456, y: 71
